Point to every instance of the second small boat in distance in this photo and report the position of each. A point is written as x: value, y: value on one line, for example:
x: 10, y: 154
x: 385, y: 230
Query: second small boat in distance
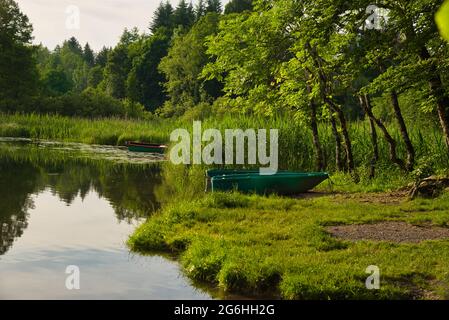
x: 146, y: 147
x: 251, y: 181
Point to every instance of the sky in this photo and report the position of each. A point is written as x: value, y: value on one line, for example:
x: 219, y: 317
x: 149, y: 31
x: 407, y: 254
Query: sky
x: 98, y: 22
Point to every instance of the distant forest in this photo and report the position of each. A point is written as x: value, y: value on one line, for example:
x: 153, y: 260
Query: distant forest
x: 142, y: 72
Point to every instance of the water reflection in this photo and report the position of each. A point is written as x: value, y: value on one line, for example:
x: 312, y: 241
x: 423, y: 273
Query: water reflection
x: 60, y: 207
x: 14, y: 205
x: 129, y: 189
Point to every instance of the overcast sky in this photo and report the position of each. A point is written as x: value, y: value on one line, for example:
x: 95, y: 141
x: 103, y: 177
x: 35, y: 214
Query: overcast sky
x: 101, y: 21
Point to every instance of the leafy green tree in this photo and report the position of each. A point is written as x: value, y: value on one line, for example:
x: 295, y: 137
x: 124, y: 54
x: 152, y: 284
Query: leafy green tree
x: 144, y: 80
x: 80, y: 77
x: 14, y: 25
x: 280, y: 41
x: 18, y: 71
x: 442, y: 19
x: 95, y: 76
x: 119, y: 65
x: 406, y: 52
x: 116, y: 72
x: 237, y: 6
x: 56, y: 82
x: 244, y: 44
x: 184, y: 63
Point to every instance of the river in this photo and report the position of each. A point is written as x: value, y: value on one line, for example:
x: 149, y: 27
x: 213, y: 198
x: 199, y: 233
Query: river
x: 68, y: 205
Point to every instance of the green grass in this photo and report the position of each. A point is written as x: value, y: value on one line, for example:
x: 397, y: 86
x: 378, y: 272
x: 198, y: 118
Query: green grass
x: 108, y: 131
x: 254, y: 245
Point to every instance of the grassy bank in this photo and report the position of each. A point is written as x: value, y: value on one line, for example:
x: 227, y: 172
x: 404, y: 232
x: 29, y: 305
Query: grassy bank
x: 248, y: 244
x: 252, y: 244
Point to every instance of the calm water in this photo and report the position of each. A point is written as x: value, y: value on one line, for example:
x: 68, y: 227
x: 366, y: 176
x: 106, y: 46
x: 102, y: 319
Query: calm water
x: 71, y: 204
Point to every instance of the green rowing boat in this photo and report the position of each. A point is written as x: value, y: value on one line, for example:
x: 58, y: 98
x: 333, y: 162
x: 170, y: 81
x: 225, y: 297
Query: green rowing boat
x: 146, y: 147
x: 251, y: 181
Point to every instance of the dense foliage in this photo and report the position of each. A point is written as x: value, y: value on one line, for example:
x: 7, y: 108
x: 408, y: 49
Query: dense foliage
x: 323, y: 64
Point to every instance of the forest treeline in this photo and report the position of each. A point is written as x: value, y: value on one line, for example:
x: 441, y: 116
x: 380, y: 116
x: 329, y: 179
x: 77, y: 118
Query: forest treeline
x: 318, y: 62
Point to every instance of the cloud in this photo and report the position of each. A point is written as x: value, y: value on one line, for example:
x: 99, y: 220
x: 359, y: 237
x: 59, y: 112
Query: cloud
x: 101, y: 21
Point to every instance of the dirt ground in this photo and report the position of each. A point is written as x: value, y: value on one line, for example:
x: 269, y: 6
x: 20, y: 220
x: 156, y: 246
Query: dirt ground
x: 399, y: 232
x: 395, y: 197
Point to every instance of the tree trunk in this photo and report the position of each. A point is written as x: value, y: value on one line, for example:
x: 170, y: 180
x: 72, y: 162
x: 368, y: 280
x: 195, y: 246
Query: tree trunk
x: 404, y: 133
x: 374, y: 142
x: 325, y: 89
x: 436, y: 87
x: 338, y: 161
x: 391, y: 142
x: 345, y: 133
x: 319, y: 156
x: 316, y: 138
x: 375, y: 158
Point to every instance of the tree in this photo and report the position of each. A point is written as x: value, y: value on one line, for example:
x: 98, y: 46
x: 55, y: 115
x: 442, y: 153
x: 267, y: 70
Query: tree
x: 18, y: 71
x: 404, y: 53
x: 14, y: 25
x: 163, y: 17
x: 95, y: 76
x: 442, y: 18
x: 74, y: 46
x: 214, y: 6
x: 70, y: 58
x: 119, y: 65
x: 144, y: 80
x: 89, y: 56
x: 129, y: 36
x: 56, y: 82
x: 102, y: 57
x: 244, y: 43
x: 183, y: 64
x: 116, y: 72
x: 183, y: 15
x: 237, y: 6
x: 297, y: 55
x: 200, y: 9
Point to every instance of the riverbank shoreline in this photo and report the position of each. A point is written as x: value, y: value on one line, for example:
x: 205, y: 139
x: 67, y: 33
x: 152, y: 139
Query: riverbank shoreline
x: 253, y: 245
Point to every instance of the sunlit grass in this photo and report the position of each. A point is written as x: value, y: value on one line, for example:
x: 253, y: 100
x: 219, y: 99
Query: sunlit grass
x: 252, y: 244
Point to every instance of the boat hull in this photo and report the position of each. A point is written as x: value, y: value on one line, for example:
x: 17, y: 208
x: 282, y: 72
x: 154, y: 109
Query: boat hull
x: 282, y: 183
x: 148, y: 148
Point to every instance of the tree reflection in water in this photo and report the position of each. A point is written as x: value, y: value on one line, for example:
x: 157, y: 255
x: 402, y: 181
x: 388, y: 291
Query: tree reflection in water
x: 27, y: 170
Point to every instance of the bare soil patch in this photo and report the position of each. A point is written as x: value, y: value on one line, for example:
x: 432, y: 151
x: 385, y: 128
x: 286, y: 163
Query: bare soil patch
x: 399, y: 232
x: 392, y: 198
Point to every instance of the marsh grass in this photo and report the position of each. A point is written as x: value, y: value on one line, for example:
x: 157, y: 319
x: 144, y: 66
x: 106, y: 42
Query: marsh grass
x: 107, y: 131
x: 295, y: 140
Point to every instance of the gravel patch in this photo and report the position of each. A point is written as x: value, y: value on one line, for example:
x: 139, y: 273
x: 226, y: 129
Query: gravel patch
x: 399, y: 232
